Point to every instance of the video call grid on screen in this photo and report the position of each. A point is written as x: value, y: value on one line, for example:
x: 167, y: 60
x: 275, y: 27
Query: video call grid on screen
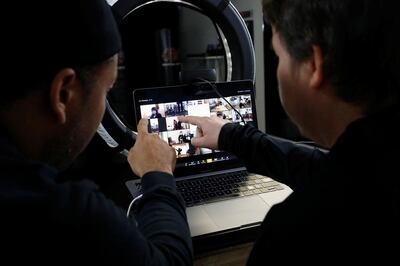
x: 163, y: 119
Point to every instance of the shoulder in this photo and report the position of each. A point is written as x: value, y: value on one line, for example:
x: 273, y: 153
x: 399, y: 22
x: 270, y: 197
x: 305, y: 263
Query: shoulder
x: 82, y: 200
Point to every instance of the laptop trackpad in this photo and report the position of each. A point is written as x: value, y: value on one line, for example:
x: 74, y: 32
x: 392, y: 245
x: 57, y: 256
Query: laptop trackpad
x: 237, y: 212
x: 199, y: 221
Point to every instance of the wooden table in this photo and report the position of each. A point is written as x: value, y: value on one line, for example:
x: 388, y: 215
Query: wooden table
x: 231, y: 256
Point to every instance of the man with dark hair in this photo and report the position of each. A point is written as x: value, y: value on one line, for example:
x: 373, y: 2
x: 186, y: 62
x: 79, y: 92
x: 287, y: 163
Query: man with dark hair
x: 155, y: 113
x: 339, y: 81
x: 60, y: 61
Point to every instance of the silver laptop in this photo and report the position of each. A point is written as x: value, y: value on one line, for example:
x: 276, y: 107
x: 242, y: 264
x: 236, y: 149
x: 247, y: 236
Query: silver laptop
x: 219, y: 192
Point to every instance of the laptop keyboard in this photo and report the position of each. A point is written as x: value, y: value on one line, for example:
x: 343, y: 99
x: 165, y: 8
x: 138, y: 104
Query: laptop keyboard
x: 224, y: 186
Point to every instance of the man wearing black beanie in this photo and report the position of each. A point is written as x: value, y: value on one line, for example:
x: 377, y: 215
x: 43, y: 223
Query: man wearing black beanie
x: 60, y: 60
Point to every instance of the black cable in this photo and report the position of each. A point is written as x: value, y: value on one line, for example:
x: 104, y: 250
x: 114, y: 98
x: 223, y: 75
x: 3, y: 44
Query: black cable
x: 220, y: 95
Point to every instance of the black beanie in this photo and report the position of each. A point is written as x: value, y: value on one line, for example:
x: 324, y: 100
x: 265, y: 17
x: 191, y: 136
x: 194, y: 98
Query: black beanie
x: 41, y: 37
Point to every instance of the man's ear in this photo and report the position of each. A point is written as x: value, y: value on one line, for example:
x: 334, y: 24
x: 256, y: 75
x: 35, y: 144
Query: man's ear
x: 62, y: 92
x: 316, y: 67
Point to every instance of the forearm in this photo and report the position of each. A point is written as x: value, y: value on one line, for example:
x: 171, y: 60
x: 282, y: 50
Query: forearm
x: 282, y: 160
x: 161, y: 218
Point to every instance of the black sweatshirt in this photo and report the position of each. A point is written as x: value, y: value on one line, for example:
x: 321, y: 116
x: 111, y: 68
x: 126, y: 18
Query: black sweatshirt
x: 346, y: 203
x: 44, y: 222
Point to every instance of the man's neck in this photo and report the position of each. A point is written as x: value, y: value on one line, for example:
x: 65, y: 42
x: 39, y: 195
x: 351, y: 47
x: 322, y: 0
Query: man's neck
x: 335, y: 119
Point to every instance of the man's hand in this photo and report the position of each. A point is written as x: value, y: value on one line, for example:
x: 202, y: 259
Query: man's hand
x: 150, y: 153
x: 208, y: 129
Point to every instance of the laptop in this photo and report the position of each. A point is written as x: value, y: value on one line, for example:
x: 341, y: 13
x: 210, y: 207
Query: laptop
x: 219, y: 192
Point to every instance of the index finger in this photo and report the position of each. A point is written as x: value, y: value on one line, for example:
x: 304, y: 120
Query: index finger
x: 142, y: 126
x: 194, y: 120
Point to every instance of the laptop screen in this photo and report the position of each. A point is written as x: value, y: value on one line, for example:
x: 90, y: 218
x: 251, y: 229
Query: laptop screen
x: 162, y: 105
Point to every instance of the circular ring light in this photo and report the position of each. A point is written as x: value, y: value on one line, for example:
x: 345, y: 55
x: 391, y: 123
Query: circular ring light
x: 236, y: 39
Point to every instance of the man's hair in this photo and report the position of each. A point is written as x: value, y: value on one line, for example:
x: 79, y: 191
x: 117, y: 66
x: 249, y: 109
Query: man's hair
x: 359, y: 40
x: 87, y: 75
